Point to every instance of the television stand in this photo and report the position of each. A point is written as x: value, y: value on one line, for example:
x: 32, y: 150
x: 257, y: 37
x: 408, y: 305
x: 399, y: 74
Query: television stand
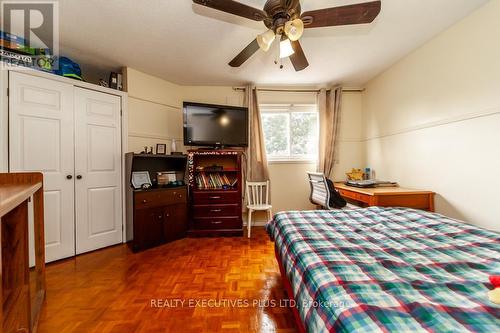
x: 216, y: 193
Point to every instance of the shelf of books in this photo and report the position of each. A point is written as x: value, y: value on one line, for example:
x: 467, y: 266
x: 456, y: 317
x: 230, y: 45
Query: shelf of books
x: 215, y: 181
x: 214, y: 170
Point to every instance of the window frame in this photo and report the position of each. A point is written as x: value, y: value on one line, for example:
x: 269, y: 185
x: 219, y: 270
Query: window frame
x: 290, y: 109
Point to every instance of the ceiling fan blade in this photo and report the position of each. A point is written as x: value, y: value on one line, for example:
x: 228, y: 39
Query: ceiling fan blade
x: 298, y: 59
x: 235, y: 8
x: 344, y: 15
x: 245, y: 54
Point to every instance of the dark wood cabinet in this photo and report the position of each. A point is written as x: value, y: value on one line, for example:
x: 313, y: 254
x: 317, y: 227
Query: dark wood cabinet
x: 148, y: 228
x: 158, y: 215
x: 175, y: 225
x: 215, y: 183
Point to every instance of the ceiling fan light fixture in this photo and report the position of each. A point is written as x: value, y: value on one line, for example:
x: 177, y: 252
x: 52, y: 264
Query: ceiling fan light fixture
x: 265, y: 40
x: 286, y: 48
x: 294, y: 29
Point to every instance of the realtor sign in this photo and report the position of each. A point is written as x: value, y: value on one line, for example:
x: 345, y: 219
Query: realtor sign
x: 30, y: 33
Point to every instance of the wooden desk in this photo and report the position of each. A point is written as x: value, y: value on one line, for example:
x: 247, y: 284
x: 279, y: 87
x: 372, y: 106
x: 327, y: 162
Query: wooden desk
x: 21, y: 292
x: 388, y: 196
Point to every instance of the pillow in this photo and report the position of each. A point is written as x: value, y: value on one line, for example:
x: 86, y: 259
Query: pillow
x: 336, y: 200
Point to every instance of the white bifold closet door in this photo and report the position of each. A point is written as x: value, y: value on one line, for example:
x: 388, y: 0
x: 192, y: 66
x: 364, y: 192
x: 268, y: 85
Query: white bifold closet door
x: 73, y: 136
x: 98, y: 208
x: 41, y: 139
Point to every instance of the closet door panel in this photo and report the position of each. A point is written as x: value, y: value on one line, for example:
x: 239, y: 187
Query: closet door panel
x: 98, y: 170
x: 41, y: 119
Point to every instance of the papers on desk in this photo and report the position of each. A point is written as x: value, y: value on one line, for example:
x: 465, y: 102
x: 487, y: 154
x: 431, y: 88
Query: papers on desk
x: 370, y: 183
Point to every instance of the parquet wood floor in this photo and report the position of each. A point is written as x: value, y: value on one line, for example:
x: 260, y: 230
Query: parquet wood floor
x: 111, y: 290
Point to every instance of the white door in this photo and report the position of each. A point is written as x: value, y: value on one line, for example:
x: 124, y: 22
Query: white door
x: 98, y: 170
x: 41, y: 139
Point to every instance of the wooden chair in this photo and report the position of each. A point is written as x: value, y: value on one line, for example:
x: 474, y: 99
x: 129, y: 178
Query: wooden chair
x: 257, y: 200
x: 320, y: 194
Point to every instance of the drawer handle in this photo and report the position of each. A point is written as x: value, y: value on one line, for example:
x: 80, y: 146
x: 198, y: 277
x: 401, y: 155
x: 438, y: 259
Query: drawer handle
x: 214, y: 197
x: 180, y: 195
x: 217, y: 222
x: 216, y: 210
x: 144, y: 201
x: 160, y: 217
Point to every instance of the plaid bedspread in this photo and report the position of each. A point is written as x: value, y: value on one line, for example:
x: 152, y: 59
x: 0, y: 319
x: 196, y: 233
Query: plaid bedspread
x: 388, y: 270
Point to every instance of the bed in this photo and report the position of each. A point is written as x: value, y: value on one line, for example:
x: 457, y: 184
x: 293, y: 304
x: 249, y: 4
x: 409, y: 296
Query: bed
x: 387, y: 270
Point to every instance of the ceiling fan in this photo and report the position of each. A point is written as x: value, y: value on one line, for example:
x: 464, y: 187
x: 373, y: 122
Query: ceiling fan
x: 284, y: 19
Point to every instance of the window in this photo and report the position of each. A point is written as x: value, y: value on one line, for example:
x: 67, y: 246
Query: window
x: 290, y: 132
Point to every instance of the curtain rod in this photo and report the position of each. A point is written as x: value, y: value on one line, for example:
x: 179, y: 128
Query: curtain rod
x: 296, y: 90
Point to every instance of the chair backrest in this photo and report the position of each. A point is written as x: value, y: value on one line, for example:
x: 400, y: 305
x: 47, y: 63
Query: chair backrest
x: 258, y: 193
x: 320, y: 195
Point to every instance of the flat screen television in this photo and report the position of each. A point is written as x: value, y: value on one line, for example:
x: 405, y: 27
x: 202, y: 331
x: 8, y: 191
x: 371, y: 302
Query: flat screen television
x: 215, y: 125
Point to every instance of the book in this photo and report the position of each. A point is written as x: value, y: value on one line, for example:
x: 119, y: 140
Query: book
x: 215, y: 181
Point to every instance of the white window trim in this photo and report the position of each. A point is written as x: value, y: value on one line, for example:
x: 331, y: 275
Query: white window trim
x: 291, y: 108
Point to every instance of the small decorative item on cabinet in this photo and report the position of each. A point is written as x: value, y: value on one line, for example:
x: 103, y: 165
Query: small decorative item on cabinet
x: 147, y: 150
x: 166, y: 178
x: 173, y: 146
x: 140, y: 178
x: 161, y: 149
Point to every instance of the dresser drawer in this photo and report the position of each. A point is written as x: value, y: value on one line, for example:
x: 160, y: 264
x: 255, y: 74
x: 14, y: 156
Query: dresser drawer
x: 216, y: 197
x: 355, y: 196
x: 216, y: 210
x: 213, y: 223
x: 347, y: 194
x: 149, y: 199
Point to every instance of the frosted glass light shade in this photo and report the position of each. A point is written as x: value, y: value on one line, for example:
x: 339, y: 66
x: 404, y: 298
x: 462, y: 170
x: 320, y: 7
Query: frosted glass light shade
x: 265, y: 40
x: 286, y: 48
x: 294, y: 29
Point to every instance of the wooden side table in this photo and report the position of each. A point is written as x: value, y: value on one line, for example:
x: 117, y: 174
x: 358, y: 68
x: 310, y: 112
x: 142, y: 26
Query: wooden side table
x: 21, y: 292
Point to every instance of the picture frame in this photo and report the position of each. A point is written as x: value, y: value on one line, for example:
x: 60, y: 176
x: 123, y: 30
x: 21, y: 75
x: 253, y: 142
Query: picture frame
x: 139, y: 178
x: 161, y: 149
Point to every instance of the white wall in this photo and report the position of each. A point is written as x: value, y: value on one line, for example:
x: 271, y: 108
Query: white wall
x: 432, y: 121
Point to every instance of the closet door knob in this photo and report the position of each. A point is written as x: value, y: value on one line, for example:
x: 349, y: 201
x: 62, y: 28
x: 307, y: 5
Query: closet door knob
x: 79, y: 177
x: 69, y: 177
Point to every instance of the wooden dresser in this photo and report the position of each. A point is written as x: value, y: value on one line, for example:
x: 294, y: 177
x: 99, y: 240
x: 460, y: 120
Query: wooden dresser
x: 215, y: 182
x: 22, y: 290
x: 388, y: 197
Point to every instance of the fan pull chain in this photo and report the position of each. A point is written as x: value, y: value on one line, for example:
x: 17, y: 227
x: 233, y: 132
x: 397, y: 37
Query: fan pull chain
x: 278, y: 60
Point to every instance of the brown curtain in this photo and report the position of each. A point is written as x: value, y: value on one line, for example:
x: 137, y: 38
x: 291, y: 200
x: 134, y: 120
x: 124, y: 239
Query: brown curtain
x: 257, y: 169
x: 330, y: 104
